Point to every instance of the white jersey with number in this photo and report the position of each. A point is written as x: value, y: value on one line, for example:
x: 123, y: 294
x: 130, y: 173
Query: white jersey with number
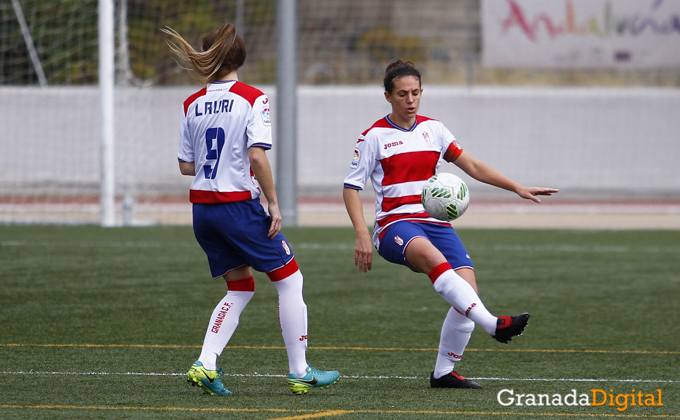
x: 219, y: 124
x: 399, y: 162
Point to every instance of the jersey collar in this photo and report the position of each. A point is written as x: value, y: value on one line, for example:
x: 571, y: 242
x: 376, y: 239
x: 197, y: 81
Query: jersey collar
x: 221, y: 82
x: 389, y: 121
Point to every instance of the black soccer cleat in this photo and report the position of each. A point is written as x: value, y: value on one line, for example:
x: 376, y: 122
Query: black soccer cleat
x: 452, y: 380
x: 510, y: 326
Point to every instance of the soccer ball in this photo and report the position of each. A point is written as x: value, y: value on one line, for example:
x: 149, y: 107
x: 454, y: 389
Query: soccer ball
x: 445, y: 196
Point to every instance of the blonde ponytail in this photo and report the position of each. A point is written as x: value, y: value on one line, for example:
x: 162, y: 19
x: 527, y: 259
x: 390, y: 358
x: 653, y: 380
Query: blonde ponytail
x: 224, y: 52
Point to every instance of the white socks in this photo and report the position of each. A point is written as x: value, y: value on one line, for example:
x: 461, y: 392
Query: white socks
x: 459, y: 294
x: 293, y: 320
x: 223, y: 323
x: 456, y: 333
x: 288, y: 281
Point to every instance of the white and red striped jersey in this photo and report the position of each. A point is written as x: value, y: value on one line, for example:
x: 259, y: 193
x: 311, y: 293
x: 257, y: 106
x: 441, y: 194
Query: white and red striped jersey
x: 399, y: 162
x: 219, y: 124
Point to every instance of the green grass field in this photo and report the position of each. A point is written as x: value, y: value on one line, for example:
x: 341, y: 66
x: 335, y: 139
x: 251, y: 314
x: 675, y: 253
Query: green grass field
x: 104, y: 323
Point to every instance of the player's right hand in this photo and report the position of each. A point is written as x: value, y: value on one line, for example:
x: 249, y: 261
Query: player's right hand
x: 275, y: 215
x: 363, y: 253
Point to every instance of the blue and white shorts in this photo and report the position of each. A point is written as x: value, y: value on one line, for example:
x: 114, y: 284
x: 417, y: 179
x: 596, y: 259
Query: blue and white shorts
x: 235, y: 234
x: 398, y: 236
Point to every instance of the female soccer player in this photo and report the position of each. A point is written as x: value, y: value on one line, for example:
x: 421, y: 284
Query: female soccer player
x: 399, y: 153
x: 225, y: 131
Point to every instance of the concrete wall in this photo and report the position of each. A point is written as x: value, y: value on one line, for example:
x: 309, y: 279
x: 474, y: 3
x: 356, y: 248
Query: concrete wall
x: 581, y: 140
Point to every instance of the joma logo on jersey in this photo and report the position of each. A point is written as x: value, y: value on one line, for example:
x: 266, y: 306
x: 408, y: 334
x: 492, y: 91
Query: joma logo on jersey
x: 303, y: 338
x: 394, y: 143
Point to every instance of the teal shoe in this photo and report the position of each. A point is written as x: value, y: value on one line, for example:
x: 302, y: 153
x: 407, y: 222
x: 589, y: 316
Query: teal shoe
x: 208, y: 380
x: 314, y: 379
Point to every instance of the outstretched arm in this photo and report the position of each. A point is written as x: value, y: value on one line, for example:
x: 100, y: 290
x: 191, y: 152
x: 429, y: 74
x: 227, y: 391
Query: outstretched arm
x: 363, y: 246
x: 484, y: 173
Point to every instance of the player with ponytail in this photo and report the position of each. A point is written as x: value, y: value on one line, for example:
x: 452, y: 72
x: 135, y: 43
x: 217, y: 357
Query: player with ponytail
x: 225, y: 132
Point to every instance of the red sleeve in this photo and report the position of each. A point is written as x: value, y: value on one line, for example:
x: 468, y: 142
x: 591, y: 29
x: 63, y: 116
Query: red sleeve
x: 192, y: 98
x: 247, y: 92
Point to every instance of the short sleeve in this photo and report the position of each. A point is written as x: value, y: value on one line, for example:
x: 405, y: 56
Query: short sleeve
x: 361, y: 167
x: 259, y: 129
x: 451, y: 148
x: 186, y: 148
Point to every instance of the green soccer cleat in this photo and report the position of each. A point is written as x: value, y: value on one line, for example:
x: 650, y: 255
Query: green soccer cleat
x: 208, y: 380
x: 314, y: 379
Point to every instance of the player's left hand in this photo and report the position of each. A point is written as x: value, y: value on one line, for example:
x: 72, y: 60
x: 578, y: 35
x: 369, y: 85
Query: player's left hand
x: 530, y: 193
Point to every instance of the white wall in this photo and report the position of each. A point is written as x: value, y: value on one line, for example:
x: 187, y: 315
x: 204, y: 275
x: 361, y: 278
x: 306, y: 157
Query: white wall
x: 581, y: 140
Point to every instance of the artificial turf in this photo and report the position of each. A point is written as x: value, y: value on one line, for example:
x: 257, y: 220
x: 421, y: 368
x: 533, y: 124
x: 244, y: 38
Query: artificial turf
x: 104, y: 323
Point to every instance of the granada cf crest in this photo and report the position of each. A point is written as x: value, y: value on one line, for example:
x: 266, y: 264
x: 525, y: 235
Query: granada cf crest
x: 426, y: 137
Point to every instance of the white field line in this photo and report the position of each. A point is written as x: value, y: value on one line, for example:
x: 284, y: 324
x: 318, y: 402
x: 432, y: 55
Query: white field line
x: 380, y: 377
x: 612, y: 249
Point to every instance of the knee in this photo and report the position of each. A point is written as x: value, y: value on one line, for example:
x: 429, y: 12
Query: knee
x: 459, y: 322
x: 422, y: 256
x: 291, y: 285
x: 443, y: 286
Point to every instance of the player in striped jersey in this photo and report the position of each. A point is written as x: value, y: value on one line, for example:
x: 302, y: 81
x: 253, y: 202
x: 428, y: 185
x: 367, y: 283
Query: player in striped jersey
x: 225, y: 131
x: 399, y: 153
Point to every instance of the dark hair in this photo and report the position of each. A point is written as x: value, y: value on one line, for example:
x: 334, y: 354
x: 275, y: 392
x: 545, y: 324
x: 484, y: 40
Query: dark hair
x: 397, y: 69
x: 223, y: 51
x: 236, y: 55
